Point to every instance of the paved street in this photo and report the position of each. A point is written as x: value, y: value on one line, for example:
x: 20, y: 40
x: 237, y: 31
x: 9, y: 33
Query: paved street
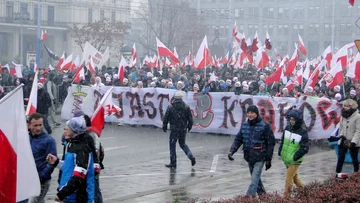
x: 135, y: 172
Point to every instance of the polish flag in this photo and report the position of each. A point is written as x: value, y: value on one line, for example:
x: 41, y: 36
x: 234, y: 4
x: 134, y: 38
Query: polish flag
x: 243, y: 44
x: 238, y: 36
x: 80, y: 73
x: 105, y: 108
x: 51, y: 67
x: 268, y: 41
x: 306, y: 73
x: 19, y: 178
x: 302, y: 46
x: 67, y: 63
x: 254, y: 45
x: 175, y: 53
x: 341, y: 56
x: 202, y: 55
x: 334, y: 76
x: 277, y: 55
x: 43, y: 35
x: 327, y: 55
x: 146, y: 61
x: 351, y: 2
x: 224, y: 60
x: 164, y: 51
x: 133, y: 56
x: 122, y: 66
x: 275, y: 76
x: 91, y: 65
x: 32, y: 104
x: 75, y: 64
x: 18, y: 70
x: 60, y: 62
x: 354, y: 69
x: 292, y: 64
x: 262, y: 59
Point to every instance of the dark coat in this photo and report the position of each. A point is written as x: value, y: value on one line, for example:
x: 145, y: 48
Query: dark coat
x: 179, y: 115
x: 258, y: 140
x: 41, y: 146
x: 44, y: 102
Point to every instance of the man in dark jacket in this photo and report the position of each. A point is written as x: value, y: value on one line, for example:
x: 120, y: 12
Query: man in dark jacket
x: 41, y: 145
x: 78, y: 175
x: 43, y: 104
x: 293, y: 146
x: 179, y: 116
x: 258, y: 139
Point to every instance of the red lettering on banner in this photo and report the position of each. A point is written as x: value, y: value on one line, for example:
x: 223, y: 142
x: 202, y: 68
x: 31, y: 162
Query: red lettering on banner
x: 267, y: 112
x: 150, y: 104
x: 135, y: 97
x: 327, y: 119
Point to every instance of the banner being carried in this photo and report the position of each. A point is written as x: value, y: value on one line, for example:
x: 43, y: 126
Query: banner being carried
x: 216, y: 112
x: 97, y: 57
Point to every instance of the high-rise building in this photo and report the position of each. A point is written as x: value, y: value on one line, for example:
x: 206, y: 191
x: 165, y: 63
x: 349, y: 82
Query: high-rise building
x: 284, y: 20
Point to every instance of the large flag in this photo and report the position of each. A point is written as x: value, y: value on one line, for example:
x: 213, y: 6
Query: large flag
x: 334, y: 76
x: 19, y: 178
x: 133, y: 56
x: 275, y: 76
x: 32, y: 104
x: 268, y: 41
x: 262, y: 59
x: 61, y: 61
x: 91, y: 66
x: 314, y: 77
x: 254, y: 45
x: 342, y: 56
x: 292, y: 64
x: 354, y: 69
x: 164, y: 51
x: 67, y: 63
x: 122, y: 66
x: 306, y: 73
x: 202, y: 55
x: 105, y: 108
x: 302, y: 46
x: 80, y: 73
x: 98, y: 57
x: 327, y: 54
x: 238, y: 36
x: 351, y: 2
x: 51, y: 53
x: 18, y: 70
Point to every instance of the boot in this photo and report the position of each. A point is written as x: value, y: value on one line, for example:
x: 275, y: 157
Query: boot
x: 170, y: 165
x: 193, y: 162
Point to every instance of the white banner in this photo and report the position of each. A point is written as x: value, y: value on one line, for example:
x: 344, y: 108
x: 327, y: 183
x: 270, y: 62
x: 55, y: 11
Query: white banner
x: 217, y: 112
x: 98, y: 58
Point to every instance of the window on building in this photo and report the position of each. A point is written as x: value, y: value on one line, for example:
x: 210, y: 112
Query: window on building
x: 280, y: 30
x: 313, y: 48
x: 113, y: 16
x: 328, y: 11
x: 317, y: 11
x: 348, y: 29
x: 90, y: 15
x: 286, y: 13
x: 250, y: 12
x: 251, y: 29
x: 35, y: 13
x: 301, y: 29
x: 236, y: 13
x: 317, y: 29
x: 9, y: 11
x: 23, y: 8
x: 295, y: 13
x: 241, y: 13
x: 286, y: 30
x: 51, y: 15
x: 256, y: 13
x: 348, y: 11
x: 327, y: 29
x: 102, y: 14
x: 343, y: 28
x: 311, y: 30
x: 271, y: 29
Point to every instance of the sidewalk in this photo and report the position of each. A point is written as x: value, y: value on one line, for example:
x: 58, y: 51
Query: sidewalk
x: 316, y: 167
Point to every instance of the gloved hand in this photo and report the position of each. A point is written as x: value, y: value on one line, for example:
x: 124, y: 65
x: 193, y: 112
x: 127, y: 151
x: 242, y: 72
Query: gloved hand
x: 333, y: 139
x: 230, y: 156
x: 164, y: 128
x: 353, y: 145
x: 267, y: 165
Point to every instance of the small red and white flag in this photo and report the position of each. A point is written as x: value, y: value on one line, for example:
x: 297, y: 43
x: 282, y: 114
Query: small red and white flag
x: 262, y: 59
x: 164, y: 51
x: 334, y: 76
x: 60, y: 62
x: 224, y: 60
x: 75, y: 64
x: 275, y: 76
x: 105, y: 108
x: 91, y: 65
x: 354, y: 69
x: 268, y: 41
x: 32, y: 104
x: 342, y: 56
x: 51, y: 67
x: 302, y: 46
x: 80, y: 74
x: 254, y: 45
x: 292, y: 64
x: 133, y: 56
x: 19, y: 178
x: 238, y: 36
x: 306, y: 73
x: 18, y: 70
x: 147, y: 60
x: 43, y: 35
x: 67, y: 63
x: 327, y: 55
x: 202, y: 55
x: 122, y: 66
x: 351, y: 2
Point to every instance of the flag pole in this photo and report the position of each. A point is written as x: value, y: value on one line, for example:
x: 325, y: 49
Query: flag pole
x: 8, y: 95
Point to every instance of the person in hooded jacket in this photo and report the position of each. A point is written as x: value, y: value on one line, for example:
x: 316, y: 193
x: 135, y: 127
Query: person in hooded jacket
x: 179, y: 115
x: 258, y: 142
x: 293, y: 146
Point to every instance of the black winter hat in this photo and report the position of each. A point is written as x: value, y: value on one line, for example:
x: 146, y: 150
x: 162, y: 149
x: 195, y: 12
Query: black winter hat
x: 253, y: 108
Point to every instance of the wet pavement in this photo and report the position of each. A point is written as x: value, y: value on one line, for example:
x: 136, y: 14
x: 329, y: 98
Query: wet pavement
x: 135, y: 171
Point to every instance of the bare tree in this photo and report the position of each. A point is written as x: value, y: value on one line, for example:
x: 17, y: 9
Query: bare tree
x: 100, y: 34
x: 174, y: 23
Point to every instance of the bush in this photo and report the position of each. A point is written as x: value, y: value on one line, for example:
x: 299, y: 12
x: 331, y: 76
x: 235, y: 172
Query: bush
x: 330, y: 190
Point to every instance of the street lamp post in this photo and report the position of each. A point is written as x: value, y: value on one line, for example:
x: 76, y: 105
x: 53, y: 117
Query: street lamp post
x: 38, y: 58
x: 22, y: 17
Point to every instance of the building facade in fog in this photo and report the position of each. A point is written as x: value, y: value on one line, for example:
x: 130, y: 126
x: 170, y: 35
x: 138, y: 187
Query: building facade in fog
x: 284, y: 20
x: 56, y: 16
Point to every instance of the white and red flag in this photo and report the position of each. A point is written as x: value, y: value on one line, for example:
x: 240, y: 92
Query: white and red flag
x: 225, y: 59
x: 122, y: 66
x: 306, y: 73
x: 335, y: 76
x: 302, y: 46
x: 342, y: 56
x: 147, y: 61
x: 61, y: 61
x: 32, y: 104
x: 164, y: 51
x: 327, y: 55
x: 314, y: 77
x: 351, y: 2
x: 268, y: 41
x: 91, y: 65
x: 354, y: 69
x: 67, y: 63
x: 275, y: 76
x: 238, y: 36
x: 292, y: 64
x: 19, y: 178
x: 43, y: 35
x: 254, y: 45
x: 277, y: 55
x: 18, y: 70
x: 105, y: 108
x: 133, y: 56
x: 80, y: 74
x: 262, y: 59
x: 202, y: 55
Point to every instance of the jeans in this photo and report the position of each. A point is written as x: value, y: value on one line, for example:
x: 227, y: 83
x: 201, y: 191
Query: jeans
x: 172, y: 143
x: 98, y: 196
x: 341, y: 158
x: 44, y: 189
x: 51, y: 114
x: 256, y: 185
x: 46, y: 124
x: 292, y: 178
